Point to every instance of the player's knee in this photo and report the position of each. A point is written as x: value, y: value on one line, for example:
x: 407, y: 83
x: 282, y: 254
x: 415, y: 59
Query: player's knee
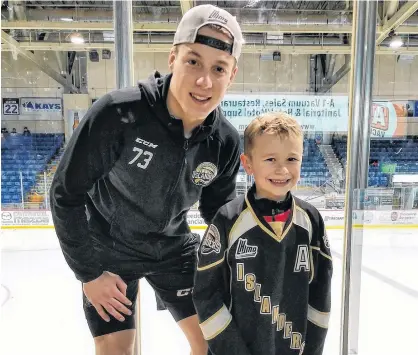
x: 119, y: 343
x: 199, y: 347
x: 114, y: 349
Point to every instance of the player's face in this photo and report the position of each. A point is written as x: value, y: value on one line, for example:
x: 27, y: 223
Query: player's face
x: 201, y: 76
x: 275, y: 163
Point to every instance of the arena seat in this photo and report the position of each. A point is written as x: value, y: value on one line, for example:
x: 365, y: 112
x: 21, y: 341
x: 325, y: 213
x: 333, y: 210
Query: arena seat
x: 314, y: 170
x: 23, y: 158
x: 401, y: 152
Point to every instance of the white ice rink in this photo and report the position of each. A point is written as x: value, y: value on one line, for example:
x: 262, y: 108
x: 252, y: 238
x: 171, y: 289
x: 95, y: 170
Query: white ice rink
x: 41, y: 309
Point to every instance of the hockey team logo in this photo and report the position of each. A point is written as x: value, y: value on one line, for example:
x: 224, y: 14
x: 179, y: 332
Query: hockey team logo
x: 215, y: 15
x: 212, y: 241
x: 244, y: 250
x: 204, y: 174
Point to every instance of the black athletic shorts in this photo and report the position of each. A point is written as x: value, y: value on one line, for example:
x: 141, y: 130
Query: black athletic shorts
x: 171, y: 276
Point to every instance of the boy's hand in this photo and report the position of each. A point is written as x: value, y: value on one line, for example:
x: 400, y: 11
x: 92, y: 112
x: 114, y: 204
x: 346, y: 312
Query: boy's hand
x: 108, y: 292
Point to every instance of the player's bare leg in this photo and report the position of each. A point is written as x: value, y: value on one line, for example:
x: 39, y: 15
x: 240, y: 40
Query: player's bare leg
x: 191, y: 329
x: 118, y: 343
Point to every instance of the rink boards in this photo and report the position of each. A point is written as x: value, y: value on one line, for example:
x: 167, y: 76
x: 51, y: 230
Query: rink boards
x: 334, y: 219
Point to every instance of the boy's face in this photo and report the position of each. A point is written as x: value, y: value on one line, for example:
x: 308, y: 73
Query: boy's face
x: 201, y: 76
x: 275, y: 163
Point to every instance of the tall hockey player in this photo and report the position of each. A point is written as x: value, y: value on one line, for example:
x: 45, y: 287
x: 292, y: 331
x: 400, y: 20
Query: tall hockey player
x: 264, y: 273
x: 140, y: 158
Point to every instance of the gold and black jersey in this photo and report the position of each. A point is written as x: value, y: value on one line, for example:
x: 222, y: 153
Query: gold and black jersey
x: 260, y: 289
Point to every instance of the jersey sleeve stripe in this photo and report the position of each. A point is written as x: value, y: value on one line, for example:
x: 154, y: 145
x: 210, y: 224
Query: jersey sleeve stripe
x: 206, y: 267
x: 322, y: 253
x: 302, y: 220
x: 312, y: 265
x: 244, y: 223
x: 321, y: 319
x: 216, y: 324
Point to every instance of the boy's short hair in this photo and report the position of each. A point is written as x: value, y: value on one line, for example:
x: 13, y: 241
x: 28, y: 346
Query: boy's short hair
x: 277, y: 123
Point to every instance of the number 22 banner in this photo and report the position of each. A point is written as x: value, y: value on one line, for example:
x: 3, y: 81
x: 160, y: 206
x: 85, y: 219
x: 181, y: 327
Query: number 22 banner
x: 10, y: 107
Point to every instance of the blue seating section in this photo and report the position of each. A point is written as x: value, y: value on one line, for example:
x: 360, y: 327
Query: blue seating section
x: 403, y: 153
x: 314, y: 169
x: 28, y: 155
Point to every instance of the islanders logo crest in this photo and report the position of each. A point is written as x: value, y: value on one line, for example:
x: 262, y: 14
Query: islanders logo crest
x: 204, y: 174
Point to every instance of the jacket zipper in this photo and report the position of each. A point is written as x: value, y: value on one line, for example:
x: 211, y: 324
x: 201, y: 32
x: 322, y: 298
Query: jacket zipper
x: 171, y: 192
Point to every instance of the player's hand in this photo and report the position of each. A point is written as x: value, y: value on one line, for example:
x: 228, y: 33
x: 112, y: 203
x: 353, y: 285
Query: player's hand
x: 108, y: 292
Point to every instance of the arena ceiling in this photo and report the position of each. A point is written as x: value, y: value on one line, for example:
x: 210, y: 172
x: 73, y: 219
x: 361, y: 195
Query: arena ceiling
x: 306, y: 27
x: 291, y: 27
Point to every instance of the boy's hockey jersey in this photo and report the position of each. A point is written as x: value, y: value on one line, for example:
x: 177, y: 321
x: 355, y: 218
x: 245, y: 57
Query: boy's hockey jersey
x: 261, y: 293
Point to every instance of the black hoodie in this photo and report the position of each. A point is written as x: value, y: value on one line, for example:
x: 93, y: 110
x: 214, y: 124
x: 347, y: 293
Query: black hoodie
x: 130, y: 165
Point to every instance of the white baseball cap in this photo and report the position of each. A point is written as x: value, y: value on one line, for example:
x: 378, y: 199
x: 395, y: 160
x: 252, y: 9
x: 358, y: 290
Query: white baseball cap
x: 203, y: 15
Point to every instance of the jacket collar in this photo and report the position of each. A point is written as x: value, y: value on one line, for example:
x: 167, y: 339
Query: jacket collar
x: 266, y: 207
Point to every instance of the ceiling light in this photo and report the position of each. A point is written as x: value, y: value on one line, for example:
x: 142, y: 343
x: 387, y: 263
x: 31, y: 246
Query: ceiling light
x: 77, y: 38
x: 396, y: 42
x: 66, y: 19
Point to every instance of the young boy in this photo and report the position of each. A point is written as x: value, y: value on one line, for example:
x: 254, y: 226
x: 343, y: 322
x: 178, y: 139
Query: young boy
x: 263, y: 284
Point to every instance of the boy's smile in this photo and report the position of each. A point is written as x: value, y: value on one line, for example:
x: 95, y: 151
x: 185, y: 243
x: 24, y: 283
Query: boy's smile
x: 275, y: 163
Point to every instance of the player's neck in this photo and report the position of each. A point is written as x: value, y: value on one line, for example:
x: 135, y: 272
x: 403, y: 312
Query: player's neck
x: 175, y: 110
x: 190, y: 125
